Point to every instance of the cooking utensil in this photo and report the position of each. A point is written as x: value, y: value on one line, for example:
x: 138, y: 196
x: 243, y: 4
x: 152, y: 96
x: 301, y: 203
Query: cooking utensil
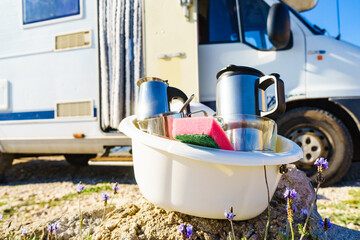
x: 155, y: 95
x: 240, y: 90
x: 187, y: 103
x: 249, y: 132
x: 161, y: 124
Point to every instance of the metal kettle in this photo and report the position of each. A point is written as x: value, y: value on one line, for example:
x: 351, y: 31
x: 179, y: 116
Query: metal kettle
x: 155, y: 96
x: 238, y: 92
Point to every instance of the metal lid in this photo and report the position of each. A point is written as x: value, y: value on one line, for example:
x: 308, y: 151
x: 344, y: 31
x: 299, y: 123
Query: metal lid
x: 149, y: 79
x: 237, y: 70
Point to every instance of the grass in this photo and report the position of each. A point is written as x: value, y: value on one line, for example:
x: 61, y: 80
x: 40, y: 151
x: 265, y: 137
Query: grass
x: 345, y: 213
x: 10, y: 211
x: 8, y: 236
x: 345, y: 219
x: 355, y: 193
x: 33, y: 201
x: 69, y: 197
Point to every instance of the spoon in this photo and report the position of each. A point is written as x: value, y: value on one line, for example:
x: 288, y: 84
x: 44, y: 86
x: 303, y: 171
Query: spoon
x: 186, y: 103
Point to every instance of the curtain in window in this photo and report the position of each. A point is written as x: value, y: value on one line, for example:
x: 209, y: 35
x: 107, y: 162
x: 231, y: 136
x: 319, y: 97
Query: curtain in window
x: 121, y: 58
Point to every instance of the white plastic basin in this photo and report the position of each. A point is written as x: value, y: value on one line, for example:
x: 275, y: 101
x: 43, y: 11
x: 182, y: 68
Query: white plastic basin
x: 202, y: 181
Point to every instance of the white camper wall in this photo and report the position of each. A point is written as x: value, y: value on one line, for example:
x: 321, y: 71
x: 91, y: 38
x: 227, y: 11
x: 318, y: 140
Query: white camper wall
x: 39, y: 77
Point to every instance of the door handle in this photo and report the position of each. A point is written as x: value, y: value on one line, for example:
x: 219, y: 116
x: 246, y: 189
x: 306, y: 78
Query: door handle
x: 171, y: 55
x: 186, y: 4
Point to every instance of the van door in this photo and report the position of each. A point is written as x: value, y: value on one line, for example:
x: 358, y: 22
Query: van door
x: 234, y: 32
x: 170, y: 29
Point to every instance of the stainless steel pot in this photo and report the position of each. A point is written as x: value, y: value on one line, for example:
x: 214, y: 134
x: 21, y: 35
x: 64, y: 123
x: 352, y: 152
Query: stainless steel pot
x: 237, y: 92
x: 155, y: 96
x: 249, y: 132
x: 161, y: 124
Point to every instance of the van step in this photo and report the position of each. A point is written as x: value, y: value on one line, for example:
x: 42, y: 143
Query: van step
x: 112, y: 161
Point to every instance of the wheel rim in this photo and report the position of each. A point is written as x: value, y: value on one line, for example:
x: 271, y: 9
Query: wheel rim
x: 313, y: 143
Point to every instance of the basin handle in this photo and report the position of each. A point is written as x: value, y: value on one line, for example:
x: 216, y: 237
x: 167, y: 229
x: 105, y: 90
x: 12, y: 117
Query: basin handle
x: 283, y: 169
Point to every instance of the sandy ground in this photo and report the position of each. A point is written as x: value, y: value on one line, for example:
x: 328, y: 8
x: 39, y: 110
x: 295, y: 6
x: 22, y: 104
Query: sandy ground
x: 41, y: 189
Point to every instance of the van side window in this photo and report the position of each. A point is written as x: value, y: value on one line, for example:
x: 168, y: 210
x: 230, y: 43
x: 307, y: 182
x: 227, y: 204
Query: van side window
x: 43, y: 10
x: 217, y: 21
x: 254, y: 15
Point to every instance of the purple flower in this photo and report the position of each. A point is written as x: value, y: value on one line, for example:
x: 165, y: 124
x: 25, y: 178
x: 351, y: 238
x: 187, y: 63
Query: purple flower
x: 287, y: 193
x: 181, y: 228
x: 24, y: 231
x: 229, y: 215
x: 290, y: 193
x: 304, y: 212
x: 294, y: 209
x: 325, y: 225
x: 53, y: 227
x: 322, y: 162
x: 1, y: 217
x: 80, y: 187
x: 187, y: 231
x: 105, y: 197
x: 115, y: 187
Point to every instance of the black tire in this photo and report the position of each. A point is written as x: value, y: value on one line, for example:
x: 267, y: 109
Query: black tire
x: 5, y: 164
x: 79, y: 160
x: 319, y: 134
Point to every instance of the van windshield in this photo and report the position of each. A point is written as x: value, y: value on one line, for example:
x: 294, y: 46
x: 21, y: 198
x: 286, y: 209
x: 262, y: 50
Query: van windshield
x: 313, y: 28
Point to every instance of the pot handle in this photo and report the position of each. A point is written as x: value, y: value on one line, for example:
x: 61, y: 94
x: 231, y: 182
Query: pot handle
x: 280, y: 106
x: 199, y: 111
x: 175, y: 93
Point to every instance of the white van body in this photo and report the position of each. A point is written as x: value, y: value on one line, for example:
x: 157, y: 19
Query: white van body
x: 37, y: 80
x: 50, y: 92
x: 320, y: 74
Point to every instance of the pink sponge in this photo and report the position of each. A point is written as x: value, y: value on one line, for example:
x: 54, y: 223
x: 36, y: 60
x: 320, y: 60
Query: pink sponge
x: 203, y: 131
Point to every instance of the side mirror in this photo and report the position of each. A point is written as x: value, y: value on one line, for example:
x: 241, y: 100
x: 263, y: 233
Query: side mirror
x: 278, y: 25
x: 303, y: 5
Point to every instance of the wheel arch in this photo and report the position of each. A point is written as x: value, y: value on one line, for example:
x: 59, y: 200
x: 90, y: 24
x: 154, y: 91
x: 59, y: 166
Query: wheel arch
x: 336, y: 110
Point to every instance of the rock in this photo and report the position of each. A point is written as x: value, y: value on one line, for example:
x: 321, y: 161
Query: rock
x: 111, y: 224
x: 253, y: 237
x: 146, y: 221
x: 296, y: 179
x: 249, y: 234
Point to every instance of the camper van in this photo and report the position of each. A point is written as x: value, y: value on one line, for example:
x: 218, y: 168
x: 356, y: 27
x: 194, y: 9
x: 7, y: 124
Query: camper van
x: 68, y: 72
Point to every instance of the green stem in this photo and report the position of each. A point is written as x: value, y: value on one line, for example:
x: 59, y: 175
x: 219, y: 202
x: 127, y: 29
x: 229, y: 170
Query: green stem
x: 81, y: 223
x: 112, y: 198
x: 311, y: 209
x: 292, y: 231
x: 268, y: 195
x: 232, y: 229
x: 104, y: 213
